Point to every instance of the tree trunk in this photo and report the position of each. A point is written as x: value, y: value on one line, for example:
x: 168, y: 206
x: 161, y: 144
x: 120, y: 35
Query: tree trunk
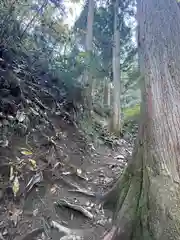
x: 116, y: 118
x: 147, y: 195
x: 89, y: 41
x: 107, y: 93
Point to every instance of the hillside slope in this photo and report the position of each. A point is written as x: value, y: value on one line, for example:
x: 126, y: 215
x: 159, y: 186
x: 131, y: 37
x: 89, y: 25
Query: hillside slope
x: 49, y: 172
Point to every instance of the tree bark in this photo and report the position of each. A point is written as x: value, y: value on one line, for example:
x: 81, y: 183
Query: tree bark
x: 147, y: 195
x: 89, y: 43
x: 107, y: 93
x: 116, y: 117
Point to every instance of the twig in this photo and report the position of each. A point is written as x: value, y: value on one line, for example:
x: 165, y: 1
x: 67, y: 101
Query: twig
x: 71, y: 237
x: 75, y: 234
x: 61, y: 228
x: 69, y: 233
x: 83, y: 191
x: 78, y: 189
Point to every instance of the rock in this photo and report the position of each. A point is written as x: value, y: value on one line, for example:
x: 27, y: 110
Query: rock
x: 4, y: 143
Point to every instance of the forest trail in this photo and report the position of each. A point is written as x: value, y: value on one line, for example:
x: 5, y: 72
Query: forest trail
x: 69, y: 171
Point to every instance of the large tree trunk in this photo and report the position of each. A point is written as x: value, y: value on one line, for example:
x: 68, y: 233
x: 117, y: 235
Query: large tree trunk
x: 116, y: 118
x: 147, y: 195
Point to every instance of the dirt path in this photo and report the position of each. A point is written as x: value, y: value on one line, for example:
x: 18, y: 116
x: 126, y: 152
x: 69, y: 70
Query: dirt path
x: 72, y: 172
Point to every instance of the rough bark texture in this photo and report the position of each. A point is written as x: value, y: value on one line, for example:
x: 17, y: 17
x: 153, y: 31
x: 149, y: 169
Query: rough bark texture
x: 148, y: 193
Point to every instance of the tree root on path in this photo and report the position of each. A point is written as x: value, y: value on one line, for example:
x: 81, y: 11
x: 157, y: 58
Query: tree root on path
x: 75, y: 207
x: 75, y: 234
x: 78, y: 189
x: 71, y: 234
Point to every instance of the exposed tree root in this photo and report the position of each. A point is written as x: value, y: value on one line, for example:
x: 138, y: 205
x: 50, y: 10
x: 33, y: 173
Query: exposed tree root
x: 145, y: 200
x: 147, y: 208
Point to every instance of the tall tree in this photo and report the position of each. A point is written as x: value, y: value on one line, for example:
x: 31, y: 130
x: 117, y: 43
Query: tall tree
x: 116, y: 117
x: 103, y: 31
x: 89, y: 43
x: 147, y: 195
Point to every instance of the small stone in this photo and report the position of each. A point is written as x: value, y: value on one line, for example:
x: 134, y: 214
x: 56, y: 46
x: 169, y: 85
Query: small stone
x: 4, y: 143
x: 5, y: 232
x: 92, y: 204
x: 119, y: 157
x: 110, y: 220
x: 88, y: 203
x: 11, y: 118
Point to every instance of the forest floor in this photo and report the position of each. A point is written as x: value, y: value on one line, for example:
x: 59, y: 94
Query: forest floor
x: 57, y: 182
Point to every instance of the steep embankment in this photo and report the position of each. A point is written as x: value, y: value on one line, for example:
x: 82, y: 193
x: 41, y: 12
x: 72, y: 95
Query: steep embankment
x: 48, y: 171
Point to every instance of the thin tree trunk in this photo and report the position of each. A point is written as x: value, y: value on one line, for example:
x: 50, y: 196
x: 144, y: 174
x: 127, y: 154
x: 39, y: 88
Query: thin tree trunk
x: 116, y: 118
x: 147, y: 195
x: 89, y: 43
x: 109, y: 95
x: 107, y: 100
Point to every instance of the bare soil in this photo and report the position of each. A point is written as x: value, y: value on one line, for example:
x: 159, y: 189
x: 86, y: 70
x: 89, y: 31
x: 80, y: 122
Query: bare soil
x: 72, y: 170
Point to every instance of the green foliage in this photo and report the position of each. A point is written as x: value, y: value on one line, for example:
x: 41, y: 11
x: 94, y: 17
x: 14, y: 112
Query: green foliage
x: 131, y: 121
x: 132, y: 113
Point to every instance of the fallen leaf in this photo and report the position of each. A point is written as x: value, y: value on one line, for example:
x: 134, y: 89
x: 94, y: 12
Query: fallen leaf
x: 26, y: 152
x: 34, y: 112
x: 16, y: 186
x: 11, y: 177
x: 20, y: 116
x: 38, y: 177
x: 35, y: 212
x: 53, y: 189
x: 33, y: 163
